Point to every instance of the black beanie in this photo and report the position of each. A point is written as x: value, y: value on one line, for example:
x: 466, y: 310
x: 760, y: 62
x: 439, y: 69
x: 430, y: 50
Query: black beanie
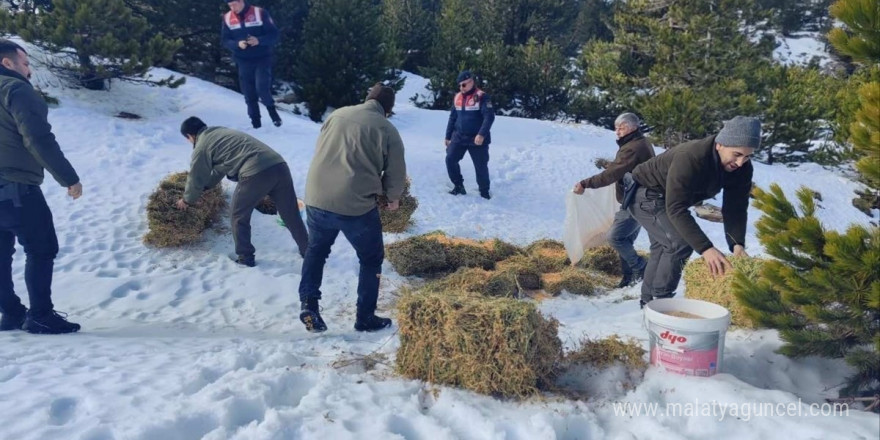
x: 383, y: 94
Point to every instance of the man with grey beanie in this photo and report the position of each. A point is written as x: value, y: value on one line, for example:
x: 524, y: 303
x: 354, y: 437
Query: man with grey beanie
x: 669, y: 184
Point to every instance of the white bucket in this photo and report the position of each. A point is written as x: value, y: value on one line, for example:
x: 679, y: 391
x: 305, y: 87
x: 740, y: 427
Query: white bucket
x: 684, y: 345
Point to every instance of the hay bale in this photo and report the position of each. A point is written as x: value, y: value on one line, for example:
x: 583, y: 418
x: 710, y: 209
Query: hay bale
x: 501, y: 347
x: 435, y: 252
x: 549, y: 255
x: 170, y: 226
x: 401, y: 219
x: 572, y: 280
x: 699, y: 284
x: 417, y: 256
x: 523, y: 269
x: 267, y: 206
x: 477, y: 281
x: 603, y: 259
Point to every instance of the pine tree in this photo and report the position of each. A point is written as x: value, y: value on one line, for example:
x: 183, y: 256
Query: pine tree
x: 455, y: 48
x: 105, y: 40
x: 823, y: 291
x: 342, y: 56
x: 412, y: 27
x: 861, y: 40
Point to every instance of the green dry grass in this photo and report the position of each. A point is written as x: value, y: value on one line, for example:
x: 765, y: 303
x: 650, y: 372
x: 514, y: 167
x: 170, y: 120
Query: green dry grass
x: 170, y: 227
x: 401, y: 219
x: 548, y: 255
x: 699, y: 284
x: 436, y: 253
x: 501, y: 347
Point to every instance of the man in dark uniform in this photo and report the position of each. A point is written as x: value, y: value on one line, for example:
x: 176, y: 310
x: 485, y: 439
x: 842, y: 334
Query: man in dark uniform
x: 251, y: 35
x: 468, y: 132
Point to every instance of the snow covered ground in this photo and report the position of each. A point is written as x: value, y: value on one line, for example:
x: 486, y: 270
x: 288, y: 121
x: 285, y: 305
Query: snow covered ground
x: 802, y: 48
x: 184, y: 344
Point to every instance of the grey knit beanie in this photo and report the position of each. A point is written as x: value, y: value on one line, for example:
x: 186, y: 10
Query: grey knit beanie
x: 741, y: 131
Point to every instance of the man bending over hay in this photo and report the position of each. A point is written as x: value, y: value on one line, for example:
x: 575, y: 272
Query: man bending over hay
x: 259, y: 171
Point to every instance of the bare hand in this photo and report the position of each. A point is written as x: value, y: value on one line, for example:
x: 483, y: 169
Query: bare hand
x: 243, y: 44
x: 479, y: 139
x: 447, y: 141
x: 718, y: 264
x: 75, y: 190
x: 393, y: 205
x: 578, y: 189
x: 739, y: 251
x: 252, y: 40
x: 181, y: 205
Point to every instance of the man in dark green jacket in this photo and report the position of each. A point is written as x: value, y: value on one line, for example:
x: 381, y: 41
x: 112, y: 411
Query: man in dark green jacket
x: 359, y: 156
x: 27, y: 147
x: 634, y: 149
x: 220, y: 152
x: 669, y: 184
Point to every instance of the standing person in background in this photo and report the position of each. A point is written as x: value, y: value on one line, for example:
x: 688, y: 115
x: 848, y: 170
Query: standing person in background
x: 359, y: 156
x: 468, y: 132
x: 669, y: 184
x: 634, y: 149
x: 27, y: 147
x: 250, y: 34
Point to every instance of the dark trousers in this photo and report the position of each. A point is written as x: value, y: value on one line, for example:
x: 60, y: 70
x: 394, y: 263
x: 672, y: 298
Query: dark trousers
x: 479, y: 155
x: 364, y: 232
x: 276, y: 183
x: 32, y: 224
x: 669, y: 251
x: 255, y: 80
x: 623, y: 233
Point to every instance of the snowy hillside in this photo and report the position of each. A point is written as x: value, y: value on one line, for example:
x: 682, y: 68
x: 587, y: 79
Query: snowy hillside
x: 185, y: 344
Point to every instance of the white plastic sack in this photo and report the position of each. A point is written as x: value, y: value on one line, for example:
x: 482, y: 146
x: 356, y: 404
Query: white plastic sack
x: 588, y: 218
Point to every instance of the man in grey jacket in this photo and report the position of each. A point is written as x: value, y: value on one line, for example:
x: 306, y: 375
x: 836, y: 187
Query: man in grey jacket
x: 27, y: 147
x: 221, y: 152
x: 359, y: 156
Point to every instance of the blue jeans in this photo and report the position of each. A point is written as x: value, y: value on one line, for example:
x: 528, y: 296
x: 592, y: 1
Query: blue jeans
x: 479, y: 155
x: 364, y: 232
x: 32, y: 224
x: 255, y: 80
x: 621, y: 236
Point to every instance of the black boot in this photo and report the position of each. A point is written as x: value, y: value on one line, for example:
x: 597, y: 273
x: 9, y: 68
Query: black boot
x: 371, y: 323
x: 13, y: 321
x: 256, y: 123
x: 458, y: 190
x: 244, y: 260
x: 274, y: 115
x: 626, y: 281
x: 311, y: 317
x: 485, y: 194
x: 49, y: 323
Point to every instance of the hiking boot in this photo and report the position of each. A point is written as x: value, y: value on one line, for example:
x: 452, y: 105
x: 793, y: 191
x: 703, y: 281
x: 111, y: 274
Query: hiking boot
x: 626, y: 281
x: 371, y: 323
x: 485, y: 194
x: 244, y: 260
x: 12, y: 321
x: 274, y: 115
x: 310, y: 316
x: 458, y: 190
x: 49, y: 323
x: 256, y: 123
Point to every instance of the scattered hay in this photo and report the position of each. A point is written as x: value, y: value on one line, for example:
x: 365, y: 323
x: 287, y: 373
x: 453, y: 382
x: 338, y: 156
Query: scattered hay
x: 475, y: 280
x: 603, y: 259
x: 523, y: 269
x: 602, y: 353
x: 710, y: 212
x: 170, y: 226
x: 699, y: 284
x: 500, y: 347
x: 401, y: 219
x: 267, y: 206
x: 435, y: 252
x: 571, y: 279
x: 549, y: 255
